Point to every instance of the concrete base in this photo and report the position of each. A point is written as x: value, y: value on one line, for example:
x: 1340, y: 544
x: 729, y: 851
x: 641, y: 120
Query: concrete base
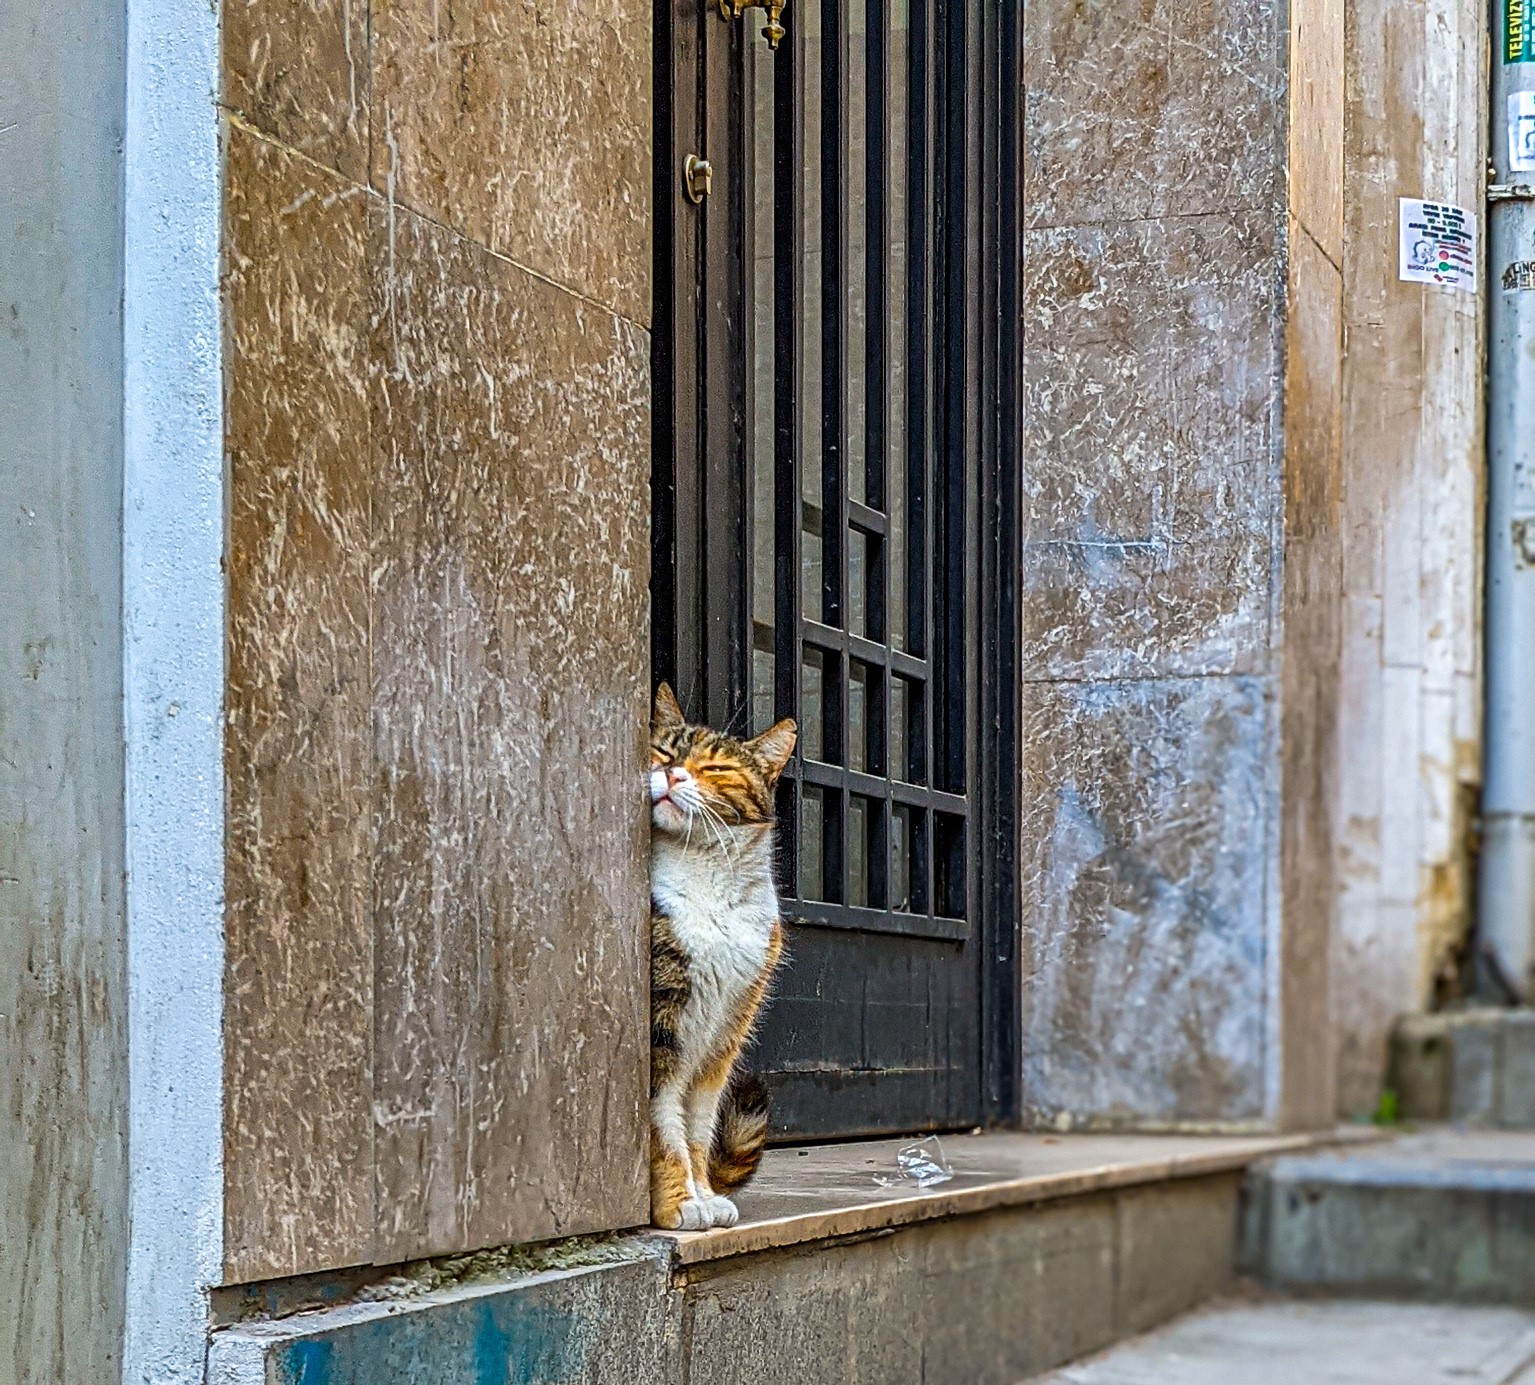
x: 969, y: 1300
x: 1473, y: 1067
x: 1361, y: 1343
x: 1446, y: 1215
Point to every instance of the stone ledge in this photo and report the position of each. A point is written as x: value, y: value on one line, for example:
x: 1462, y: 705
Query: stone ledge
x: 823, y: 1192
x: 1473, y: 1067
x: 1446, y: 1215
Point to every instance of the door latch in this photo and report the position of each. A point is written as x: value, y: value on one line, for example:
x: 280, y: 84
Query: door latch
x: 697, y: 177
x: 773, y: 30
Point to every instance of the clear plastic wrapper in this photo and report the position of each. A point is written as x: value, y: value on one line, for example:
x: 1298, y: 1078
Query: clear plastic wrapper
x: 922, y: 1164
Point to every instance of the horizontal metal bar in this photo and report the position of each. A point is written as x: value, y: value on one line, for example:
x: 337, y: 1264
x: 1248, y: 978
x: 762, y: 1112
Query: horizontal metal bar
x: 812, y: 913
x: 1511, y: 192
x: 867, y: 520
x: 874, y: 786
x: 825, y: 638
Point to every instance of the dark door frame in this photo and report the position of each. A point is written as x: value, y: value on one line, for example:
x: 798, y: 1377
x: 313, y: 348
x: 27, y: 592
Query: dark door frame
x: 700, y: 638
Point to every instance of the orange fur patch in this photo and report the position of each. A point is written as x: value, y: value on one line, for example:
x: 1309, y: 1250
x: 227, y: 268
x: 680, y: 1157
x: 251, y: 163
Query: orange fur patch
x: 668, y: 1185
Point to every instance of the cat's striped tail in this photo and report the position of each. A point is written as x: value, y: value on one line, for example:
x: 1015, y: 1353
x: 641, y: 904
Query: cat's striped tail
x: 740, y: 1133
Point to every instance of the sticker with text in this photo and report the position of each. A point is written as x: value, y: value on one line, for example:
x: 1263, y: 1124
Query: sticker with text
x: 1436, y: 244
x: 1521, y: 131
x: 1518, y: 32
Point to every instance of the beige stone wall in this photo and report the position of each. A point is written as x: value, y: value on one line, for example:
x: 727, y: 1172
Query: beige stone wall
x: 1408, y: 762
x: 437, y: 298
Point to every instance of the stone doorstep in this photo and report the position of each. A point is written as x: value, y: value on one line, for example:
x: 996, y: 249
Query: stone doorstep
x: 820, y: 1192
x: 814, y: 1208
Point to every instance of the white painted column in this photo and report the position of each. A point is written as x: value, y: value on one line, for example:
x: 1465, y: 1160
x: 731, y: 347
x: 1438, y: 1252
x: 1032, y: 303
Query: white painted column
x: 173, y: 614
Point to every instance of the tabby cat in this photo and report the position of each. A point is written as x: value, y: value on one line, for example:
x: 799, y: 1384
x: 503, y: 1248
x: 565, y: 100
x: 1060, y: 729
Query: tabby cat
x: 715, y: 943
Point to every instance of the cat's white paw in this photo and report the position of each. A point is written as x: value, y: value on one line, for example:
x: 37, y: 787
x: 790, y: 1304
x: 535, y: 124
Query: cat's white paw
x: 700, y: 1213
x: 722, y: 1211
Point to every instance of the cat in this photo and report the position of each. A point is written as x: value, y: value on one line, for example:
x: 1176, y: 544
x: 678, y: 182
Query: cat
x: 716, y: 940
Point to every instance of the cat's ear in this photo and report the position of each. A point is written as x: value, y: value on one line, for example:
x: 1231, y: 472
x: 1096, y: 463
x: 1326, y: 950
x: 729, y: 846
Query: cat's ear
x: 775, y: 745
x: 668, y: 711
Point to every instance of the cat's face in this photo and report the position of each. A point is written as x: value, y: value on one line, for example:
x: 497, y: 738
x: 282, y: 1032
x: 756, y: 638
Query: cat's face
x: 699, y: 777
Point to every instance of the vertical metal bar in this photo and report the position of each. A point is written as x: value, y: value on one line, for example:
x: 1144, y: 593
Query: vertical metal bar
x: 726, y: 638
x: 788, y: 352
x: 876, y: 396
x: 877, y: 238
x: 918, y: 413
x: 677, y: 568
x: 952, y: 393
x: 834, y: 423
x: 663, y: 364
x: 918, y: 259
x: 999, y: 794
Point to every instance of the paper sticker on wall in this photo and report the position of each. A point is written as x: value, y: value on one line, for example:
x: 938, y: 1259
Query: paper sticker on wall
x: 1521, y: 131
x: 1436, y: 244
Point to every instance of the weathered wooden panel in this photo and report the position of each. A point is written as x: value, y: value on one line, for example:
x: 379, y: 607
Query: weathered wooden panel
x: 1146, y: 848
x: 300, y: 70
x: 510, y: 683
x: 1412, y: 507
x: 299, y: 957
x: 63, y: 977
x: 1316, y: 124
x: 526, y: 127
x: 1309, y: 681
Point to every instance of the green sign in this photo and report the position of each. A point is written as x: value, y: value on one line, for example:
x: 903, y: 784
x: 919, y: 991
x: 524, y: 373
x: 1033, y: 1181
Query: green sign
x: 1519, y: 31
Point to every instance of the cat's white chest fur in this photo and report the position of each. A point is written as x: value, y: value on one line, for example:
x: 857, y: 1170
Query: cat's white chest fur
x: 722, y: 908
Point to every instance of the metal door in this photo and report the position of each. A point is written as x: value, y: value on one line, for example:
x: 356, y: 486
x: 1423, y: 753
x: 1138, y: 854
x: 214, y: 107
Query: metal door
x: 836, y: 517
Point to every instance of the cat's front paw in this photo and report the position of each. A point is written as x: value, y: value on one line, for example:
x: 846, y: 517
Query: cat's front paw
x: 700, y: 1213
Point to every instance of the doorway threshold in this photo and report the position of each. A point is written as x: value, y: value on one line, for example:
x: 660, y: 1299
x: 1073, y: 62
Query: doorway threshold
x: 826, y: 1192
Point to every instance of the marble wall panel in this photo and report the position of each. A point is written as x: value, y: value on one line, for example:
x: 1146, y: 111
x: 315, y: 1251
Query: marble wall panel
x: 299, y: 71
x: 1147, y: 825
x: 1160, y: 108
x: 510, y: 679
x: 527, y: 127
x: 1150, y: 357
x: 299, y: 953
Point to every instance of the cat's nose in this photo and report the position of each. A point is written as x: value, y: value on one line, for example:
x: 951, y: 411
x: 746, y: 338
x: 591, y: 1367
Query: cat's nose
x: 677, y: 775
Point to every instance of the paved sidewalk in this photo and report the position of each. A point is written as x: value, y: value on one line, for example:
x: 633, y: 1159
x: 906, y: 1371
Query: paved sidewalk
x: 1322, y: 1343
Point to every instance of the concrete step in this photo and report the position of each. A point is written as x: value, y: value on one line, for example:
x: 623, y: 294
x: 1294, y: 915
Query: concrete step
x: 1472, y: 1067
x: 1311, y: 1343
x: 1445, y: 1214
x: 1039, y: 1249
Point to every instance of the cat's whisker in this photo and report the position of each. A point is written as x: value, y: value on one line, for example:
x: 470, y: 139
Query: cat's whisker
x: 711, y: 818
